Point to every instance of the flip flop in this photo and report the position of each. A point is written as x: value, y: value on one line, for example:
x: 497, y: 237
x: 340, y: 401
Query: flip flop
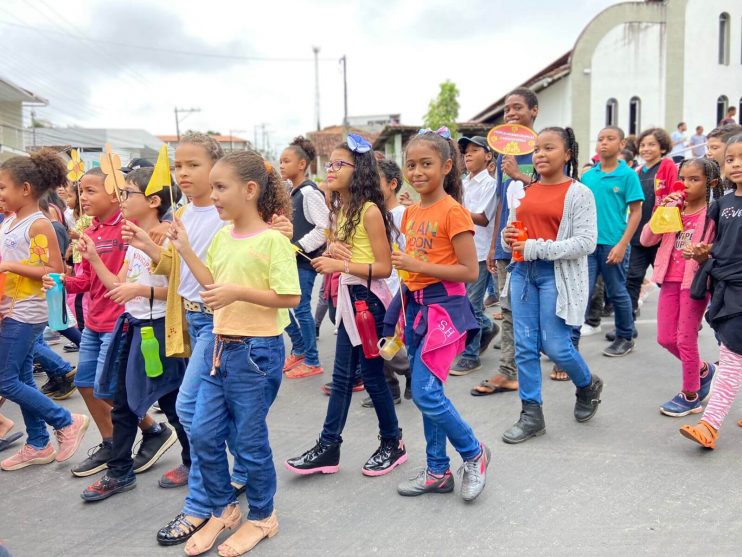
x: 6, y: 442
x: 553, y: 375
x: 488, y: 385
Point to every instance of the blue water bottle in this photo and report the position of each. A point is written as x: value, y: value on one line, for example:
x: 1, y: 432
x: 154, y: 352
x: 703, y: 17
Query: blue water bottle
x: 56, y: 301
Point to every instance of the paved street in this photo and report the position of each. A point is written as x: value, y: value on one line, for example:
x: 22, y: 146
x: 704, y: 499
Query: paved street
x: 624, y: 483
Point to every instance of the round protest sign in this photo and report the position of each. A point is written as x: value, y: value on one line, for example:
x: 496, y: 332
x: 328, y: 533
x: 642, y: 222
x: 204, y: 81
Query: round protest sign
x: 512, y: 139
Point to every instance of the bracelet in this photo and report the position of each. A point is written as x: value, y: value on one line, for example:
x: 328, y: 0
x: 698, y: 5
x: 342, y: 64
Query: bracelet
x: 347, y: 269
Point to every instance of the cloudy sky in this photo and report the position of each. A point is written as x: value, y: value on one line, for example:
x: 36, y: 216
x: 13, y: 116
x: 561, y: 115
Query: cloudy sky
x: 116, y: 63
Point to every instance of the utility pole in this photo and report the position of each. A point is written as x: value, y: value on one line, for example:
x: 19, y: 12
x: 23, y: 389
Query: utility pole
x: 231, y: 136
x: 315, y: 49
x: 344, y: 62
x: 186, y: 111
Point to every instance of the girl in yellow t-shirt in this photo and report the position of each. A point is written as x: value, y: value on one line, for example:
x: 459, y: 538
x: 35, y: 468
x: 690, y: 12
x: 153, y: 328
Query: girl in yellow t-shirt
x: 249, y: 280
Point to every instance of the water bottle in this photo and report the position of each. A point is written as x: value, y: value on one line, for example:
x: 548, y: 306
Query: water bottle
x: 366, y: 325
x: 56, y: 301
x: 389, y: 346
x: 678, y: 187
x: 150, y: 348
x: 522, y: 236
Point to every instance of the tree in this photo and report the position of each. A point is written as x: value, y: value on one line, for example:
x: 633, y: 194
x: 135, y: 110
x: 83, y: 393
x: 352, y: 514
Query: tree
x: 444, y: 109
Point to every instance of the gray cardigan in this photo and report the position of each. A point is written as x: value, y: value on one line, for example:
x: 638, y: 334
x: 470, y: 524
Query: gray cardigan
x: 576, y: 239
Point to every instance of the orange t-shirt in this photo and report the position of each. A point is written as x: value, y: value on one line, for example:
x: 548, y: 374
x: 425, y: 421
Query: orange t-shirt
x: 541, y: 209
x: 428, y: 234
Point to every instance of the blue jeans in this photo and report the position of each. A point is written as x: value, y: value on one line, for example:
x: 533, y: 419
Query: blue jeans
x: 347, y: 358
x: 441, y: 420
x: 533, y: 297
x: 93, y: 352
x: 53, y: 364
x: 238, y: 398
x: 304, y: 333
x: 200, y: 329
x: 476, y: 291
x: 16, y: 381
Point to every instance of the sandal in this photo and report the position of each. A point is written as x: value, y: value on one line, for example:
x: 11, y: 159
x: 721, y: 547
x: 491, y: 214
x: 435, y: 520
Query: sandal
x: 204, y: 540
x: 9, y: 439
x: 497, y: 316
x: 249, y: 535
x: 558, y: 374
x: 703, y: 434
x: 487, y: 387
x: 178, y: 530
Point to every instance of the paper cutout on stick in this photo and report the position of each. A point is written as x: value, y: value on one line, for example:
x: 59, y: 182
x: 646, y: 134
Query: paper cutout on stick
x: 75, y: 166
x: 512, y: 139
x: 515, y: 193
x: 110, y: 163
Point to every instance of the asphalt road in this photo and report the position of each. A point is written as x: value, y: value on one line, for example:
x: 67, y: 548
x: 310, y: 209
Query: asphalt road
x: 624, y: 483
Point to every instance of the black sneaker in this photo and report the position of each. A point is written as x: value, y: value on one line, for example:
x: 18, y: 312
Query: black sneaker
x: 390, y: 454
x: 425, y: 482
x: 152, y: 447
x: 38, y: 369
x: 465, y: 367
x: 610, y: 336
x: 97, y: 461
x: 320, y: 458
x: 65, y: 389
x: 368, y: 403
x: 488, y: 337
x: 475, y: 475
x: 71, y: 347
x: 107, y: 486
x: 51, y: 386
x: 619, y: 347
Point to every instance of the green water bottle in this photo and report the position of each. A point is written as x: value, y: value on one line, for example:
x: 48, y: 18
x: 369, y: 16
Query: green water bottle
x: 151, y: 351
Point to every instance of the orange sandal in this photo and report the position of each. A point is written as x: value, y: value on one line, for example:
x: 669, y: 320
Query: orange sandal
x: 703, y: 434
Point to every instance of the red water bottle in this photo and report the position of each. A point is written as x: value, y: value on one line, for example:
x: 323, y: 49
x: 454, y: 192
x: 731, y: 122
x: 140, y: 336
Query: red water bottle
x: 366, y: 325
x: 522, y: 236
x: 678, y: 187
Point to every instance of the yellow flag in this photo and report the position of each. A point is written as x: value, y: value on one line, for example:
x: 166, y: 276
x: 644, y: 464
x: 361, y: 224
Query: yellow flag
x: 160, y: 175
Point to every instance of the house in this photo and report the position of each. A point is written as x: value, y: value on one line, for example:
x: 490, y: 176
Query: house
x: 328, y: 138
x: 393, y: 138
x: 229, y: 143
x: 127, y: 143
x: 642, y: 64
x: 12, y: 101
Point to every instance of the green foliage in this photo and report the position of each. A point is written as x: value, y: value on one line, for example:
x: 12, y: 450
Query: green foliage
x: 444, y: 109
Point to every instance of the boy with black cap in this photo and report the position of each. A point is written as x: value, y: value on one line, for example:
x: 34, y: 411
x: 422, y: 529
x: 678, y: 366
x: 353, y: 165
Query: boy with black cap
x: 480, y: 200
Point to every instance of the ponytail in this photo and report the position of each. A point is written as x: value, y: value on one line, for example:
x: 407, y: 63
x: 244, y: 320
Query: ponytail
x: 448, y: 150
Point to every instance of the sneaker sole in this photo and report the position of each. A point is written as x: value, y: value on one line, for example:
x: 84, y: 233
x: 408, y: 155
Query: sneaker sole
x: 609, y: 355
x: 304, y: 375
x: 448, y: 489
x: 375, y: 473
x: 518, y: 441
x: 80, y: 435
x: 161, y: 451
x: 681, y: 414
x: 91, y: 472
x: 168, y: 485
x: 310, y: 471
x: 292, y: 366
x: 32, y: 462
x: 459, y: 373
x: 65, y: 396
x: 94, y: 498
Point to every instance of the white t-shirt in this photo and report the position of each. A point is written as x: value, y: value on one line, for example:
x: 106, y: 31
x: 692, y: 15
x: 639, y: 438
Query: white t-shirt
x: 201, y: 224
x: 683, y: 140
x: 393, y: 281
x: 69, y: 218
x: 138, y: 273
x: 480, y: 196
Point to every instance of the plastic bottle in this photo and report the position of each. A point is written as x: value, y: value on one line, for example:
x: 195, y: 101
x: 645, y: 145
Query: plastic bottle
x: 678, y: 187
x: 150, y: 348
x: 366, y: 326
x: 55, y: 300
x: 522, y: 236
x: 389, y: 346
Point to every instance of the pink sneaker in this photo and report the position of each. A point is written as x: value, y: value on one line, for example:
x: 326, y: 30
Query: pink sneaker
x: 69, y: 437
x: 27, y: 456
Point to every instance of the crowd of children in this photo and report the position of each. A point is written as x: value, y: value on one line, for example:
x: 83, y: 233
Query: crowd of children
x: 184, y: 305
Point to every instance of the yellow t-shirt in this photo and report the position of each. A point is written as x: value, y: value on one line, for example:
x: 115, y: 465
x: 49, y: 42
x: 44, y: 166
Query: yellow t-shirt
x: 264, y: 261
x: 360, y: 242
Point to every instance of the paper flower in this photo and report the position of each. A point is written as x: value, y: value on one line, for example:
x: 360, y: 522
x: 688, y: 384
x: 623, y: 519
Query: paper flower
x: 110, y: 164
x: 38, y: 252
x: 75, y: 166
x: 515, y: 193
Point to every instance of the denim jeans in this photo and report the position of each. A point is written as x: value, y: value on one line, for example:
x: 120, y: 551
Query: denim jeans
x: 476, y: 291
x: 441, y: 420
x: 200, y: 329
x: 92, y: 357
x: 347, y: 358
x: 53, y: 364
x: 533, y: 296
x: 237, y: 399
x: 614, y: 281
x: 16, y: 381
x: 639, y: 261
x: 304, y: 333
x: 73, y: 334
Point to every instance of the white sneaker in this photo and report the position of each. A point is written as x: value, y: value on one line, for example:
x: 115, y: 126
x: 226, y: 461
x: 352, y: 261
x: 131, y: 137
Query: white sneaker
x: 588, y: 330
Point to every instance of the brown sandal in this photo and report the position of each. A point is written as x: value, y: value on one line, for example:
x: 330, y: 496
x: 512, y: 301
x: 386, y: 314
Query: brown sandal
x: 703, y: 434
x: 556, y: 374
x: 203, y: 540
x: 250, y: 534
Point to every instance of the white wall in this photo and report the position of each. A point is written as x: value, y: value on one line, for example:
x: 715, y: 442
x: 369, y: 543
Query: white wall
x: 554, y: 105
x: 629, y: 61
x: 705, y: 78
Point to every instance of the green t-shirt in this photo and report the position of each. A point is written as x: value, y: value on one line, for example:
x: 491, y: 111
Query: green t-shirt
x: 263, y: 261
x: 613, y: 193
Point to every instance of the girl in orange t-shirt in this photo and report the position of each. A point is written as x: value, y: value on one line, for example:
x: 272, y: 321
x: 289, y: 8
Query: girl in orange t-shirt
x: 549, y: 289
x: 439, y: 258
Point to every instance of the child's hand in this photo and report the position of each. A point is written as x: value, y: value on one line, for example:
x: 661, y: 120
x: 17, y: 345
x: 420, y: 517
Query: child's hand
x: 403, y: 262
x: 123, y: 292
x: 673, y: 199
x: 217, y: 296
x: 178, y: 236
x: 688, y: 251
x: 701, y: 252
x: 135, y: 236
x: 340, y: 250
x: 405, y: 199
x: 158, y: 233
x: 86, y: 247
x: 283, y: 225
x: 327, y: 265
x: 510, y: 236
x: 48, y: 282
x: 616, y: 255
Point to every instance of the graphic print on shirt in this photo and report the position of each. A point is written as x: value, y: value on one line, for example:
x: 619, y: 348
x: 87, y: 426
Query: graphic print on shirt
x: 420, y: 238
x: 38, y: 256
x: 729, y: 213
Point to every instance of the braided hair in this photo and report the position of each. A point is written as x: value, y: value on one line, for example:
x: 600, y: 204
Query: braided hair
x: 570, y: 144
x: 711, y: 172
x: 448, y: 150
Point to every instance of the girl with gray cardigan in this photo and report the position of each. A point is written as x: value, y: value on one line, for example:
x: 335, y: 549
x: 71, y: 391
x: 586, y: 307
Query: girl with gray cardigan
x: 549, y: 287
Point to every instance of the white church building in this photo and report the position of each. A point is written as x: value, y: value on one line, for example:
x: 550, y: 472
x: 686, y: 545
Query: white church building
x: 643, y: 64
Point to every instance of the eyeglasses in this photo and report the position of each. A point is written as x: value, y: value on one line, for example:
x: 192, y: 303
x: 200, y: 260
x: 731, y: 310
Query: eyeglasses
x: 335, y: 166
x: 126, y: 193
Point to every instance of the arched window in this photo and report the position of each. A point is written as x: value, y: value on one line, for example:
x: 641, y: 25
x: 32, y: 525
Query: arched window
x: 721, y: 107
x: 611, y: 112
x: 635, y: 115
x: 724, y: 39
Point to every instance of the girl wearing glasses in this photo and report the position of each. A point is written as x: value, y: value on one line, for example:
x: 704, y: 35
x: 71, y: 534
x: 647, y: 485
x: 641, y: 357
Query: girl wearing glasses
x: 361, y: 252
